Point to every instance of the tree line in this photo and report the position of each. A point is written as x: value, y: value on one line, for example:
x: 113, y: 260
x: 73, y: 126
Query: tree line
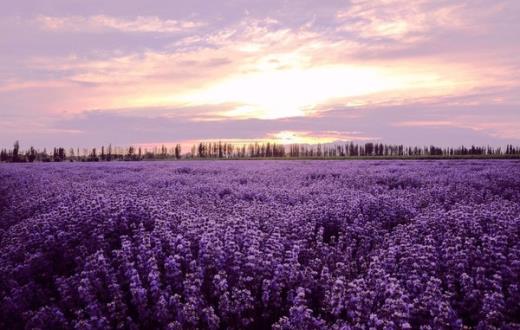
x: 226, y: 150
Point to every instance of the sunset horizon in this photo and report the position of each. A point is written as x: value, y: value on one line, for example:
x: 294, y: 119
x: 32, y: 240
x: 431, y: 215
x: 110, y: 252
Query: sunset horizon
x: 134, y: 73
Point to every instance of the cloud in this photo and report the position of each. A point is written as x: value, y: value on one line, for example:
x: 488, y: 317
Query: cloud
x: 414, y: 21
x: 415, y: 124
x: 404, y: 21
x: 425, y: 123
x: 252, y: 70
x: 256, y: 68
x: 103, y: 23
x: 266, y: 69
x: 313, y: 137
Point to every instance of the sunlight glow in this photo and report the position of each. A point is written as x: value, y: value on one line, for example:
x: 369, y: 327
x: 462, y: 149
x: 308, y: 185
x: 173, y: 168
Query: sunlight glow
x: 290, y: 137
x: 271, y: 94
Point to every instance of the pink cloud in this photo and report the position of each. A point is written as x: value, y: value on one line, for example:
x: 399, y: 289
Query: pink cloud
x: 424, y: 123
x: 102, y: 23
x: 413, y: 21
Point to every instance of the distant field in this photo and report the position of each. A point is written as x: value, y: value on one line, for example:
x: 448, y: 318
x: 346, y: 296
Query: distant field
x: 260, y: 244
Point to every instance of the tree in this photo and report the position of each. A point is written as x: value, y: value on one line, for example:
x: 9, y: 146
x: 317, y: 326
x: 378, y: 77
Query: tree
x: 16, y: 150
x: 61, y: 154
x: 109, y: 153
x: 201, y: 150
x: 130, y: 153
x: 58, y: 154
x: 44, y: 156
x: 4, y: 156
x: 31, y: 155
x: 93, y: 155
x: 164, y: 152
x: 178, y: 151
x: 369, y: 148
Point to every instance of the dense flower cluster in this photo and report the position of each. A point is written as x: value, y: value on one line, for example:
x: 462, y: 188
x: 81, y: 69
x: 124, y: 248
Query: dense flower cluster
x: 261, y: 244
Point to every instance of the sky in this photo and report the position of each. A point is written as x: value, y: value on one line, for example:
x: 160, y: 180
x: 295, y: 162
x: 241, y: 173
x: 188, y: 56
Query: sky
x: 126, y: 72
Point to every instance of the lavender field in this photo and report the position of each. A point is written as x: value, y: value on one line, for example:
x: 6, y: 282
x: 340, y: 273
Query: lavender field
x: 260, y: 245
